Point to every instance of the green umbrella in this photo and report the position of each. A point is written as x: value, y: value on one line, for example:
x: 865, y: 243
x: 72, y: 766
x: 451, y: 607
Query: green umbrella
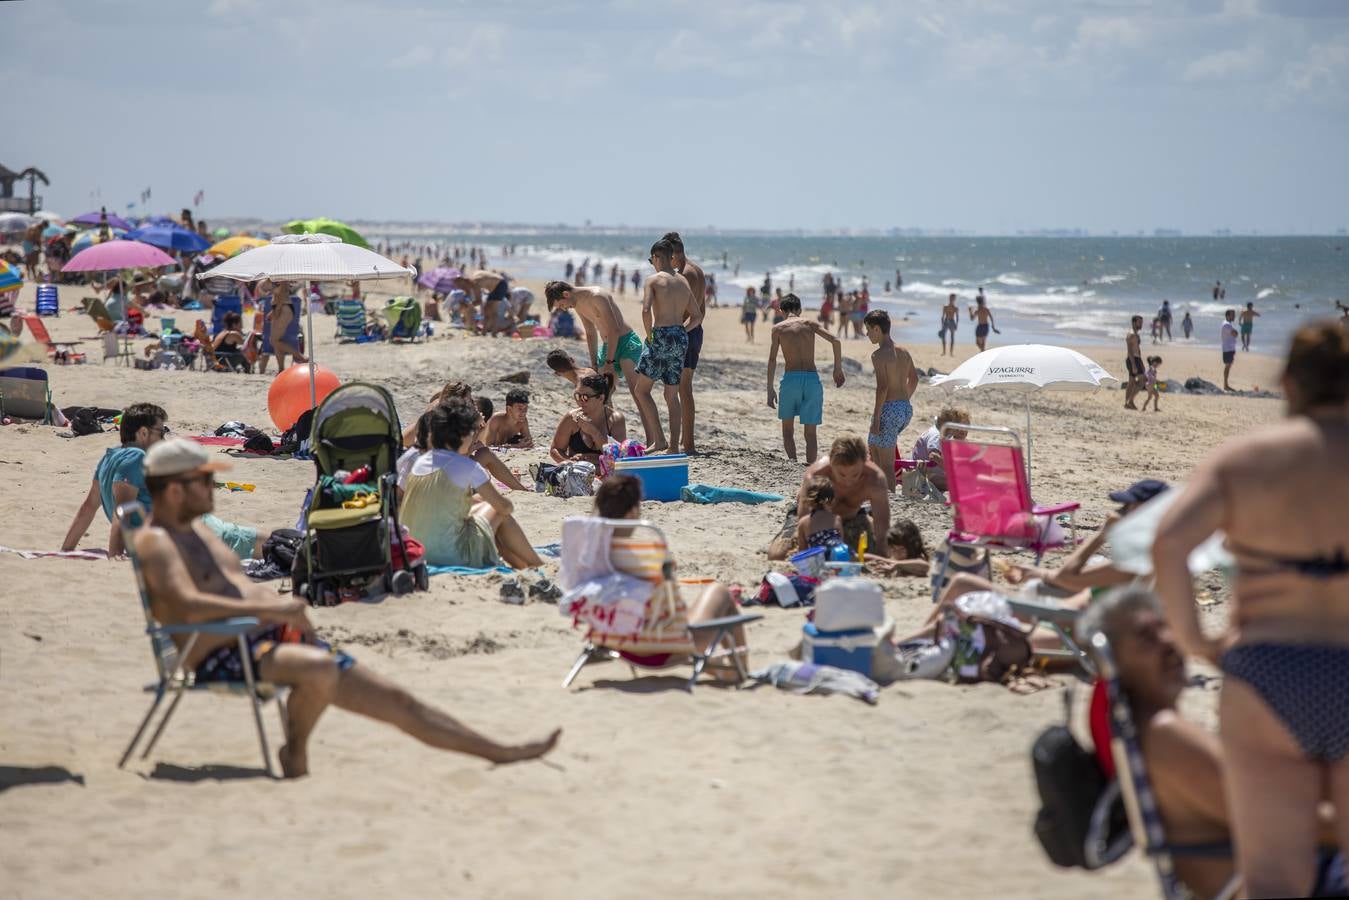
x: 221, y: 232
x: 340, y: 230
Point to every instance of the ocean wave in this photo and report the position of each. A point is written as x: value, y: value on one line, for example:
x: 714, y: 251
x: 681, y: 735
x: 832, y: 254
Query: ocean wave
x: 1109, y: 279
x: 1265, y: 292
x: 1011, y: 280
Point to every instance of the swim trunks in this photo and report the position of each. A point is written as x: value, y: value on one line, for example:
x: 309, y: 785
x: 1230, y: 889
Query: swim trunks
x: 695, y: 348
x: 1229, y: 356
x: 895, y: 416
x: 800, y: 395
x: 981, y: 331
x: 947, y: 325
x: 1134, y: 366
x: 501, y: 292
x: 1246, y: 327
x: 241, y: 539
x: 663, y: 356
x: 747, y: 317
x: 629, y: 347
x: 225, y: 663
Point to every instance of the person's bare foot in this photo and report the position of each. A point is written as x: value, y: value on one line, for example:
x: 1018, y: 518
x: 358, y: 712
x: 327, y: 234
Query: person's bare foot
x: 293, y: 765
x: 657, y: 448
x: 1130, y: 406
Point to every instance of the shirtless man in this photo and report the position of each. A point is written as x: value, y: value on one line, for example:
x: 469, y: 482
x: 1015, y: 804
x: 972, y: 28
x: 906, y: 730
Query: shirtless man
x: 697, y: 281
x: 896, y: 380
x: 950, y: 318
x: 608, y: 337
x: 800, y: 394
x: 279, y: 319
x: 1133, y: 362
x: 669, y: 312
x: 856, y: 480
x: 192, y: 578
x: 510, y: 427
x: 487, y: 291
x: 1247, y: 318
x: 982, y: 316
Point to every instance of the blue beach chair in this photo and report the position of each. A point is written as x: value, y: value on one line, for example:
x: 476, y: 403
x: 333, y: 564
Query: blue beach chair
x: 171, y: 676
x: 350, y: 319
x: 223, y: 307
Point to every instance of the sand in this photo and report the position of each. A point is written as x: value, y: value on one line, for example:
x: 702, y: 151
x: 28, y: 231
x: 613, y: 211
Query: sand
x: 652, y: 792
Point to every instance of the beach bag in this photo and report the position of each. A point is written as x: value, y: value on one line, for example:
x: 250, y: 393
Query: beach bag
x: 85, y: 421
x: 1071, y: 786
x: 990, y: 644
x: 915, y: 485
x: 259, y: 443
x: 573, y: 479
x: 280, y: 547
x: 297, y: 436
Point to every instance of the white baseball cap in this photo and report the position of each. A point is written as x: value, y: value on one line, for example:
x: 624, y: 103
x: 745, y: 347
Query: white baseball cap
x: 180, y: 456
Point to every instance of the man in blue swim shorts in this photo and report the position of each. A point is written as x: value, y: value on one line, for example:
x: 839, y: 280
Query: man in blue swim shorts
x: 192, y: 579
x: 896, y: 380
x: 669, y: 312
x: 800, y: 394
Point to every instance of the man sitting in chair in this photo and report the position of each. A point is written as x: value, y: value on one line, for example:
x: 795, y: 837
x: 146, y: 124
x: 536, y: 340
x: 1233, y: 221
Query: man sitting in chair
x: 1184, y: 761
x: 192, y: 577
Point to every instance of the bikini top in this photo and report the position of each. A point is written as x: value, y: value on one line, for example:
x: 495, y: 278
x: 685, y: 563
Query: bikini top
x: 577, y: 444
x: 1322, y: 565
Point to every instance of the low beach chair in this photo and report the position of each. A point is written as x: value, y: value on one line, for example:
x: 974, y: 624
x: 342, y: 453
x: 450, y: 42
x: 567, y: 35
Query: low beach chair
x: 60, y: 351
x: 25, y: 393
x: 170, y: 675
x: 1134, y: 788
x: 350, y: 319
x: 98, y: 311
x: 591, y: 550
x: 223, y: 306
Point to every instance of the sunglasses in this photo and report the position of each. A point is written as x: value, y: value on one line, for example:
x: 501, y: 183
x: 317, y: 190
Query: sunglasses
x: 583, y: 397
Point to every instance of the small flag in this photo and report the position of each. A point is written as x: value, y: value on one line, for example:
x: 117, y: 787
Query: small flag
x: 196, y: 201
x: 145, y: 195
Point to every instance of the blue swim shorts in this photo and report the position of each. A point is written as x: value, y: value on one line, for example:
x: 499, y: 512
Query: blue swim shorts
x: 663, y: 355
x: 800, y: 395
x: 895, y: 416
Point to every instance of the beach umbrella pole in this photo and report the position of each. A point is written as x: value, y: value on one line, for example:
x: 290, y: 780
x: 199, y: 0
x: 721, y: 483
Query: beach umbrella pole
x: 309, y: 345
x: 1028, y: 441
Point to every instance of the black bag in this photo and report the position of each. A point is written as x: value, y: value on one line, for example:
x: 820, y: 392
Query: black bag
x: 259, y: 443
x: 297, y: 434
x: 281, y: 546
x: 85, y: 421
x: 1071, y: 784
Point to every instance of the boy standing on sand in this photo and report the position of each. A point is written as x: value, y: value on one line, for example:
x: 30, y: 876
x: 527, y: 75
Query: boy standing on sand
x: 604, y: 325
x: 669, y: 312
x: 801, y: 393
x: 982, y: 316
x: 1133, y: 362
x: 896, y: 380
x: 1248, y: 317
x: 1228, y: 340
x: 950, y: 317
x: 697, y: 282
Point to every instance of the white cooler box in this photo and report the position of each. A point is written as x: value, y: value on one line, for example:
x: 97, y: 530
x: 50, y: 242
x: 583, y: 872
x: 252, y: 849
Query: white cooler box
x: 846, y: 604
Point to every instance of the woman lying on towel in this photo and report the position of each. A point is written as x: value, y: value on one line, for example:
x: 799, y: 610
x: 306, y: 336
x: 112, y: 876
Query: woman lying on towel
x: 449, y: 501
x: 620, y: 497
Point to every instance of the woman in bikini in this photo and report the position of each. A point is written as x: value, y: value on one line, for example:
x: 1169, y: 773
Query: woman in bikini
x: 1279, y: 494
x: 585, y: 430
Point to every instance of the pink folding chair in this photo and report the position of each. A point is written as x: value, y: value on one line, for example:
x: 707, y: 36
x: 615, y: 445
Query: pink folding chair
x: 990, y: 496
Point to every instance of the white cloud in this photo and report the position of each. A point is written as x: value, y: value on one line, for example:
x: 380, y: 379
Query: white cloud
x: 1324, y: 69
x: 1097, y: 33
x: 1225, y: 64
x: 413, y: 57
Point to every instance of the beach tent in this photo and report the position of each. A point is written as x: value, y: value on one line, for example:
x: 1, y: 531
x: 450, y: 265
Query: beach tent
x: 1027, y: 369
x: 304, y: 258
x: 339, y: 230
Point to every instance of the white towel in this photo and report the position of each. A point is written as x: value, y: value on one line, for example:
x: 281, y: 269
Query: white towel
x: 595, y: 593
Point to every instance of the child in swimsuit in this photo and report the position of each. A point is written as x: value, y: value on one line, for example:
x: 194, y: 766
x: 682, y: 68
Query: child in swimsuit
x: 819, y: 525
x: 1153, y: 394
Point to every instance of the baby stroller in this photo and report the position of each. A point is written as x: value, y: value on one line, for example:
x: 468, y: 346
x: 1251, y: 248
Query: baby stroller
x: 345, y: 551
x: 405, y: 318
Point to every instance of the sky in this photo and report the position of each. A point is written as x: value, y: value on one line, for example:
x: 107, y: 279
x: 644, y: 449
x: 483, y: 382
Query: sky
x: 977, y: 115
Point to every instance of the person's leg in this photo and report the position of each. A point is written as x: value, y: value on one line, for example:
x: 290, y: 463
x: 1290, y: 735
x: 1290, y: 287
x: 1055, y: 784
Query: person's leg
x: 646, y: 408
x: 497, y: 469
x: 283, y: 348
x: 1227, y: 369
x: 512, y: 544
x: 789, y: 438
x: 311, y: 674
x: 366, y: 693
x: 687, y: 411
x: 1272, y: 793
x: 672, y: 408
x: 884, y: 457
x: 811, y: 443
x: 714, y: 603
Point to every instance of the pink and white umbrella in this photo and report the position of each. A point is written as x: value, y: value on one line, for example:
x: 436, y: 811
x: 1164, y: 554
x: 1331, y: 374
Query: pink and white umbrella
x: 119, y: 254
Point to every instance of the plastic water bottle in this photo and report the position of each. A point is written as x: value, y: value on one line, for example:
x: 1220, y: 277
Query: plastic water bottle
x: 839, y: 552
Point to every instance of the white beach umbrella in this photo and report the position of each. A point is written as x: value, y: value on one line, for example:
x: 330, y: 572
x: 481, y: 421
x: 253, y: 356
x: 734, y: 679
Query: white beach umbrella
x: 308, y: 257
x: 12, y: 222
x: 47, y: 215
x: 1027, y: 368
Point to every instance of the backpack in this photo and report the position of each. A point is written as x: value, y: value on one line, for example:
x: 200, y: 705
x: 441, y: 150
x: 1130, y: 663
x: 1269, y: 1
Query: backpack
x: 1071, y: 786
x: 281, y: 547
x: 259, y: 443
x: 85, y: 421
x: 296, y: 438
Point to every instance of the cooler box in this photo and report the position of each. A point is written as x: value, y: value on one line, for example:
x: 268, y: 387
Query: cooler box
x: 845, y: 604
x: 48, y: 303
x: 850, y: 649
x: 661, y: 476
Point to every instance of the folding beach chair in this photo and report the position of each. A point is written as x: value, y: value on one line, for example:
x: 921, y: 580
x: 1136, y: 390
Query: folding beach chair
x: 1135, y: 788
x: 223, y: 307
x: 98, y: 311
x: 171, y: 677
x: 60, y: 351
x: 25, y: 393
x: 658, y: 626
x: 350, y: 319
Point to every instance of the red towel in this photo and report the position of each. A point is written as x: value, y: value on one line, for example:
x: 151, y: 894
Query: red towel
x: 212, y: 440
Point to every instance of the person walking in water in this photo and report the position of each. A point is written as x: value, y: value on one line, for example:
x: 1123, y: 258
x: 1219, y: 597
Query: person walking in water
x: 982, y: 316
x: 896, y: 380
x: 1187, y: 325
x: 1248, y: 317
x: 800, y: 394
x: 950, y: 318
x: 1164, y: 319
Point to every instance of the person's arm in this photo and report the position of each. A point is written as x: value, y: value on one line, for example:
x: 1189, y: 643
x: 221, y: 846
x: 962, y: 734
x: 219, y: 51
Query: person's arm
x: 880, y: 397
x: 1196, y: 514
x: 648, y: 297
x: 561, y: 438
x: 592, y: 341
x: 169, y: 583
x: 772, y: 368
x: 991, y: 324
x: 696, y: 314
x: 838, y: 352
x: 83, y: 516
x: 488, y: 492
x: 913, y: 375
x: 122, y: 492
x: 527, y: 437
x: 802, y: 530
x: 1073, y: 562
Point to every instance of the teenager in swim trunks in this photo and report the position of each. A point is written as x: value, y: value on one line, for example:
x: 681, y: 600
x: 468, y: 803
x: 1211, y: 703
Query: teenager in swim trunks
x: 950, y: 317
x: 896, y: 380
x: 669, y: 312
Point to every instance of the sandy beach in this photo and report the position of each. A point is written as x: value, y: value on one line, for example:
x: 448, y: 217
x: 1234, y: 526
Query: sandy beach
x: 652, y: 791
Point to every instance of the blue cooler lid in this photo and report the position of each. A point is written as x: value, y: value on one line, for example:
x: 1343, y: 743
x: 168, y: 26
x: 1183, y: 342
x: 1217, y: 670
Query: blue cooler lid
x: 810, y: 629
x: 805, y: 554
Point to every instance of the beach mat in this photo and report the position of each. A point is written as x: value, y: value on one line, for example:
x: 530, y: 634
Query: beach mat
x: 60, y: 554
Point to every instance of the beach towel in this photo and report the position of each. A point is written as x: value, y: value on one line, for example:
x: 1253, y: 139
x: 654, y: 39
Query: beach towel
x: 809, y: 678
x: 706, y: 493
x: 465, y: 570
x: 211, y: 440
x: 62, y: 554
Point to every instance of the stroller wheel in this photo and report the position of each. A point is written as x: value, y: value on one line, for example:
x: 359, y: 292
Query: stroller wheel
x: 403, y: 582
x: 423, y: 579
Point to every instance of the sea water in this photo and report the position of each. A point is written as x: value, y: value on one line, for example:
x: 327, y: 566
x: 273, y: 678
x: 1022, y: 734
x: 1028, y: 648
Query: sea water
x: 1054, y: 289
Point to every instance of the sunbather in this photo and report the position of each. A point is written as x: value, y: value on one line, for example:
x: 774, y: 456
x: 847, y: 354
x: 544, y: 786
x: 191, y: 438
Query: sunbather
x: 620, y: 497
x: 450, y: 503
x: 192, y: 578
x: 1285, y: 728
x: 1185, y: 762
x: 120, y: 478
x: 584, y: 431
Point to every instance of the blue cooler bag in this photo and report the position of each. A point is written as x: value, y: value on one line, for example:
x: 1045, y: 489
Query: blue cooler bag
x: 851, y: 649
